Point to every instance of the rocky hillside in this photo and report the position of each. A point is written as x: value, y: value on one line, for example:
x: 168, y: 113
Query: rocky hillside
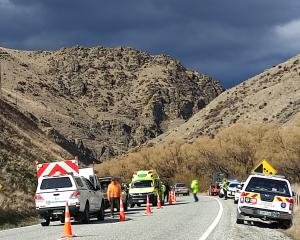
x: 103, y: 101
x: 22, y: 143
x: 272, y: 96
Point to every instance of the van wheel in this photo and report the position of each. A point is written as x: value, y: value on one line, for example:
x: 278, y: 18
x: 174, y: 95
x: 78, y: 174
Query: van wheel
x: 236, y: 201
x: 100, y: 214
x: 132, y: 205
x: 85, y: 216
x: 46, y: 223
x: 286, y: 224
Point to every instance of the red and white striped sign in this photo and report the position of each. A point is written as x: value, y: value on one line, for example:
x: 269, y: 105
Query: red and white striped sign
x: 57, y: 168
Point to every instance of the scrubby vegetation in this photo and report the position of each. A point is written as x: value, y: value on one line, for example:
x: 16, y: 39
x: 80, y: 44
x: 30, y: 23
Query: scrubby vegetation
x: 234, y: 151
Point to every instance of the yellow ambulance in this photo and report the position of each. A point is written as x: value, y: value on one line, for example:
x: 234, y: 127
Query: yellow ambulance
x: 145, y: 182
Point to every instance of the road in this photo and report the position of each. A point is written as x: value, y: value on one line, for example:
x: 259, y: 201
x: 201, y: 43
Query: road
x: 208, y: 219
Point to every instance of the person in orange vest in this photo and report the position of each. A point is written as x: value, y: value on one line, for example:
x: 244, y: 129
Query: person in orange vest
x: 113, y: 195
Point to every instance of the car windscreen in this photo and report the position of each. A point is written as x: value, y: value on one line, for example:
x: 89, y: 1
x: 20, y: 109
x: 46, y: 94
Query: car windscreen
x: 233, y: 185
x: 180, y: 185
x: 270, y: 186
x: 142, y: 184
x: 55, y: 183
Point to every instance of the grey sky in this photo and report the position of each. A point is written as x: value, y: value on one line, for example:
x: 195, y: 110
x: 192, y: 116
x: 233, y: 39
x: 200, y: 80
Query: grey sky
x: 230, y: 40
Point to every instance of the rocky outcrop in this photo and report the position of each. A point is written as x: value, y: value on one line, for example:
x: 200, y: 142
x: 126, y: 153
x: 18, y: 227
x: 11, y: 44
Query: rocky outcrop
x: 270, y: 97
x: 112, y: 99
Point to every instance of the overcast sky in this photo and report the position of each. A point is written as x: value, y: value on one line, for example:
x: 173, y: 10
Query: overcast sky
x: 231, y: 40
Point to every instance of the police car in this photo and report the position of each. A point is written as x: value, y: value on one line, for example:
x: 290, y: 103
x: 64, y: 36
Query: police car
x: 266, y: 198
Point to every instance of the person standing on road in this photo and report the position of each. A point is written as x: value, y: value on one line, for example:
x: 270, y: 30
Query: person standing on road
x: 225, y: 188
x: 195, y: 189
x: 113, y: 195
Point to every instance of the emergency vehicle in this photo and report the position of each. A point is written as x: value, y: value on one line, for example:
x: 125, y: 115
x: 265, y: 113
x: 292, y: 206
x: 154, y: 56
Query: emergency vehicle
x: 267, y: 198
x: 60, y: 183
x: 145, y: 182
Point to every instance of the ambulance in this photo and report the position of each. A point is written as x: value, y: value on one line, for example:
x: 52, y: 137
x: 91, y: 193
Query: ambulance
x: 266, y: 198
x: 145, y: 183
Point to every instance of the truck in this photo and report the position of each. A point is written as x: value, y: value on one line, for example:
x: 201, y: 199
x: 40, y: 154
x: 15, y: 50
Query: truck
x: 61, y: 183
x: 214, y: 188
x: 145, y: 183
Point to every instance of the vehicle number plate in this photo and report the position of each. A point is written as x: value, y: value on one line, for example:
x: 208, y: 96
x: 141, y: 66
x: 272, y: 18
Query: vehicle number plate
x: 140, y: 201
x: 265, y: 213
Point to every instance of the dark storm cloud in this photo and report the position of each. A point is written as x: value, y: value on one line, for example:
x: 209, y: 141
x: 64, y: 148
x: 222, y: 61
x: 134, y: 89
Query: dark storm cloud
x: 230, y: 40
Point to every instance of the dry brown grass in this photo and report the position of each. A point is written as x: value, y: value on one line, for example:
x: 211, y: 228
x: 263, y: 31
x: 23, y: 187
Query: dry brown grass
x: 234, y: 151
x: 294, y: 231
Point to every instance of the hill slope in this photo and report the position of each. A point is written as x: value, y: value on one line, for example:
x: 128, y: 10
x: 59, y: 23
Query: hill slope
x: 21, y: 144
x: 104, y: 100
x: 272, y: 96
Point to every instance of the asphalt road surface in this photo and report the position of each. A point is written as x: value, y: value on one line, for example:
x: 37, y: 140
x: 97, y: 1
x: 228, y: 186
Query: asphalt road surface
x: 210, y: 218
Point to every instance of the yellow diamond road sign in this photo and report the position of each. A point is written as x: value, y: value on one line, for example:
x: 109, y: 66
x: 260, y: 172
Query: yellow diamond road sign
x: 264, y: 167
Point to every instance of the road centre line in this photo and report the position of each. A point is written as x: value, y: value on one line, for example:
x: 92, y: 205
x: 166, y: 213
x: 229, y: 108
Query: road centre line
x: 215, y: 222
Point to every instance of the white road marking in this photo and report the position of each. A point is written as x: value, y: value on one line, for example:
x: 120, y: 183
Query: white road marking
x: 215, y: 222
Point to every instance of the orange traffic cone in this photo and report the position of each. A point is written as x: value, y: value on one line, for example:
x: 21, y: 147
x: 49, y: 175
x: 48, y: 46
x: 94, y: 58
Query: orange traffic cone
x: 174, y: 197
x: 122, y: 212
x: 170, y: 198
x: 148, y: 208
x: 158, y: 202
x: 67, y: 227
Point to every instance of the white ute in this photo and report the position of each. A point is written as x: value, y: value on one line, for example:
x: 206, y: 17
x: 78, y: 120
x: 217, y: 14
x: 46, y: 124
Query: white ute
x: 266, y: 198
x: 60, y: 183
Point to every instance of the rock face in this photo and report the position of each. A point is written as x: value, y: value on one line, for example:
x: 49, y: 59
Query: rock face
x: 272, y: 96
x: 104, y: 101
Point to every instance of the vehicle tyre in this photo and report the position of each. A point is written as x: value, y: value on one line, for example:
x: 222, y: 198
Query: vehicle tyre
x: 221, y: 195
x: 236, y: 201
x: 239, y: 218
x: 100, y: 214
x: 46, y: 223
x: 132, y: 205
x: 139, y: 204
x: 286, y: 224
x: 62, y: 219
x: 85, y: 215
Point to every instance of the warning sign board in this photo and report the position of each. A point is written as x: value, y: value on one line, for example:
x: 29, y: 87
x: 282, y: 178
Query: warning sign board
x: 264, y: 167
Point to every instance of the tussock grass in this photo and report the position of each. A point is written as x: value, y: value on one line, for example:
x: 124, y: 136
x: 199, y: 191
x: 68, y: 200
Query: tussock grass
x: 294, y: 231
x: 233, y: 151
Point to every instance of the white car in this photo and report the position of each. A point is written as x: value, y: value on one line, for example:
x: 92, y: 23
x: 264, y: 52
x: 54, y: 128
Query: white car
x: 53, y: 192
x: 266, y: 198
x: 238, y: 192
x: 232, y: 188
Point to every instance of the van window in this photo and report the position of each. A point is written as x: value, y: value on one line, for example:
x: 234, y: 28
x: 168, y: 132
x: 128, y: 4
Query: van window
x: 54, y: 183
x: 271, y: 186
x: 142, y: 184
